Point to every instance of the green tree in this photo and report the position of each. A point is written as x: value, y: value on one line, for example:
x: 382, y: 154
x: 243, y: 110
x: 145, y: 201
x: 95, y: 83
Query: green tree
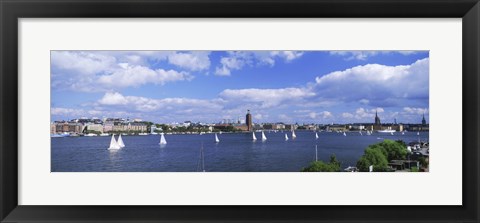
x: 395, y: 150
x: 379, y: 154
x: 373, y: 156
x: 334, y: 161
x: 320, y: 166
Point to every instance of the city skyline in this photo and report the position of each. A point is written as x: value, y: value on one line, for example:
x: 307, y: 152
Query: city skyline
x: 277, y: 86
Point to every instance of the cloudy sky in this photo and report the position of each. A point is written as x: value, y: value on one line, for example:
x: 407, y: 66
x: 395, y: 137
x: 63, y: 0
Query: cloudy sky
x: 209, y: 86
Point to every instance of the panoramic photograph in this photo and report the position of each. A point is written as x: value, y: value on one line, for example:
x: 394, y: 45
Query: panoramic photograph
x: 239, y: 111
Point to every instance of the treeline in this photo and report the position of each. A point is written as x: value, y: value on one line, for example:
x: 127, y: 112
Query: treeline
x: 377, y: 155
x: 320, y: 166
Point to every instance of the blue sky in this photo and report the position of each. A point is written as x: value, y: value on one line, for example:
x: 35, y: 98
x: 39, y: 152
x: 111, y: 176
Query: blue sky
x: 209, y: 86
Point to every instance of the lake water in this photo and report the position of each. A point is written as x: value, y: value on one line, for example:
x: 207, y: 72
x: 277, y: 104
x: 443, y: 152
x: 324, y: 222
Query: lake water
x: 236, y: 152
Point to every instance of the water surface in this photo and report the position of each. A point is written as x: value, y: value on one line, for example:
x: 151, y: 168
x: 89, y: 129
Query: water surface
x: 236, y: 152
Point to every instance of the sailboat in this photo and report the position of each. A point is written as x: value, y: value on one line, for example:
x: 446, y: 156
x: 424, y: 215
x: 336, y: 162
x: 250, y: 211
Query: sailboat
x: 162, y: 139
x: 344, y: 134
x: 216, y: 138
x: 293, y: 134
x: 403, y: 132
x: 286, y: 137
x: 360, y: 133
x: 391, y: 133
x: 120, y: 141
x: 263, y: 136
x: 316, y: 135
x: 418, y: 133
x: 113, y: 144
x: 253, y: 136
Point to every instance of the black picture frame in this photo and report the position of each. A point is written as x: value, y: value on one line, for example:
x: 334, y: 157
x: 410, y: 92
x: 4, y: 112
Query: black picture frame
x: 12, y: 10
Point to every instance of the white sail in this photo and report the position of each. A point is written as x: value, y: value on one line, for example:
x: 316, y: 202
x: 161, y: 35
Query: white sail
x: 113, y: 144
x: 253, y: 136
x: 418, y: 133
x: 403, y: 133
x: 162, y: 139
x: 293, y: 135
x: 120, y: 141
x: 216, y: 138
x: 344, y: 134
x: 316, y: 135
x: 263, y: 136
x: 391, y: 133
x: 286, y: 137
x: 360, y: 132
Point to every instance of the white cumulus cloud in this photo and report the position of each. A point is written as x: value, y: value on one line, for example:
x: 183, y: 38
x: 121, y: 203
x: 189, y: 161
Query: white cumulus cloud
x: 236, y: 60
x: 265, y: 97
x: 139, y: 75
x: 150, y: 104
x: 93, y: 71
x: 382, y: 85
x: 193, y: 61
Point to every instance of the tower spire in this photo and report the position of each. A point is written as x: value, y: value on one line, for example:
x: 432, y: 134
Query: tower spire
x: 377, y: 119
x: 424, y: 122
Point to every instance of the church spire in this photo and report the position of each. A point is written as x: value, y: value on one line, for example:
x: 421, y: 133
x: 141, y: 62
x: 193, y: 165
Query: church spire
x: 377, y: 119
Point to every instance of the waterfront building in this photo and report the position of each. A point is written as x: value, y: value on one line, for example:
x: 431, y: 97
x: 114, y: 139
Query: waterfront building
x: 291, y: 126
x: 418, y: 128
x: 357, y: 127
x: 310, y: 127
x: 335, y: 128
x: 71, y: 127
x: 95, y: 127
x: 280, y: 126
x: 269, y: 126
x: 248, y: 121
x: 241, y: 127
x: 222, y: 126
x: 63, y: 127
x: 130, y: 126
x: 75, y: 127
x: 53, y: 128
x: 399, y: 127
x: 108, y: 126
x: 138, y: 126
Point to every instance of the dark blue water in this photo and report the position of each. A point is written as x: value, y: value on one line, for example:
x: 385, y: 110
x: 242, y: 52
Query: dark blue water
x: 236, y: 152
